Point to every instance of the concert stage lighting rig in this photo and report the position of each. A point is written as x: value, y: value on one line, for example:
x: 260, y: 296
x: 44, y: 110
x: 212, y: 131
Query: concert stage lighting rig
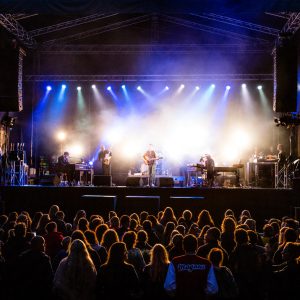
x: 288, y: 120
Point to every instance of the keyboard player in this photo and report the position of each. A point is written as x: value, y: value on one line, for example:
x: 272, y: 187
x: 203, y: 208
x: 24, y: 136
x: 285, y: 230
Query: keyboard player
x: 64, y: 167
x: 210, y: 169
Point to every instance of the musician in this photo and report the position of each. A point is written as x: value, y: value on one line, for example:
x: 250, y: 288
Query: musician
x: 104, y: 156
x: 63, y: 160
x: 150, y: 158
x: 210, y: 169
x: 63, y: 167
x: 281, y: 156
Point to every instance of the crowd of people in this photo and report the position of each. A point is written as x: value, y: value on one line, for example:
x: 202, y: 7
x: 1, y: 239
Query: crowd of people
x: 144, y: 256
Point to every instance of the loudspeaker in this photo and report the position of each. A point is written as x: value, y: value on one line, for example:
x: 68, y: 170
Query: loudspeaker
x: 100, y: 180
x: 165, y: 181
x: 134, y: 181
x: 11, y: 78
x: 285, y: 75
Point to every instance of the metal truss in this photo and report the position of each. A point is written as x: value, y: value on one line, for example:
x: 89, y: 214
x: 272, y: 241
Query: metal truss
x: 69, y: 24
x: 8, y: 22
x: 155, y: 48
x: 159, y: 77
x: 293, y: 24
x: 99, y: 30
x: 239, y: 23
x: 210, y: 29
x: 283, y: 15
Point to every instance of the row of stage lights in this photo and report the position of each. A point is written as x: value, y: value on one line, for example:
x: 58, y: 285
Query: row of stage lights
x: 139, y: 88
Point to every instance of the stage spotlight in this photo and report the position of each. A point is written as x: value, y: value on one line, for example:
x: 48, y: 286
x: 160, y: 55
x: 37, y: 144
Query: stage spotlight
x: 61, y: 136
x: 109, y: 88
x: 91, y: 163
x: 49, y: 88
x: 259, y: 87
x: 139, y: 88
x: 166, y: 88
x: 63, y: 86
x: 213, y: 85
x: 76, y: 150
x: 123, y: 86
x: 228, y: 87
x: 182, y: 86
x: 93, y: 86
x: 244, y: 85
x: 79, y: 88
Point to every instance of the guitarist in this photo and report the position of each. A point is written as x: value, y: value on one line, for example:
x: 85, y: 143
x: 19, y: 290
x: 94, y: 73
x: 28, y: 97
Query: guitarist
x: 104, y: 158
x: 150, y: 158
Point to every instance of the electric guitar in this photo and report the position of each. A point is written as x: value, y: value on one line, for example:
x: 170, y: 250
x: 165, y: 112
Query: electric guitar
x: 150, y: 161
x: 106, y: 159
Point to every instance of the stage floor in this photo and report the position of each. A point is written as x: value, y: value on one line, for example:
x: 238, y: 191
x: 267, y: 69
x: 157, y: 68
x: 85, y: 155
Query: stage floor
x: 263, y: 203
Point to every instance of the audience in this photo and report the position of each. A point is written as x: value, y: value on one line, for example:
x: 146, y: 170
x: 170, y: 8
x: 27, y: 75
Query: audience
x: 87, y: 260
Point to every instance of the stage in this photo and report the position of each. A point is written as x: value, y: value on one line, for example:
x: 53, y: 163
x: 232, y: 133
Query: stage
x: 263, y: 203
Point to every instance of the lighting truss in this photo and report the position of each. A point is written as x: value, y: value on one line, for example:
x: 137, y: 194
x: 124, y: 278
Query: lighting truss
x: 13, y: 26
x: 165, y: 78
x: 293, y: 23
x: 239, y: 23
x: 155, y: 48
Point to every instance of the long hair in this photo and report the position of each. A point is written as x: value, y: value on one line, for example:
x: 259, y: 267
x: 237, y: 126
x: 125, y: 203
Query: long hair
x: 204, y: 218
x: 117, y: 253
x: 109, y: 237
x: 78, y: 265
x: 159, y: 260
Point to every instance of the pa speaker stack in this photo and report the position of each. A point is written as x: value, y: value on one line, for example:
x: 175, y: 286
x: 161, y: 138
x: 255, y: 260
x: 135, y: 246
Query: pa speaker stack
x: 102, y: 180
x: 285, y: 75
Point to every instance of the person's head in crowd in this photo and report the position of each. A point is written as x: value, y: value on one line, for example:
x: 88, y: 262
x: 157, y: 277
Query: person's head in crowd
x: 110, y: 236
x: 37, y: 244
x: 204, y: 218
x: 124, y: 221
x: 216, y: 257
x: 187, y: 215
x: 177, y: 240
x: 290, y: 235
x: 60, y: 215
x: 79, y: 214
x: 180, y: 229
x: 3, y: 220
x: 291, y: 251
x: 36, y: 220
x: 159, y: 215
x: 135, y: 216
x: 20, y: 230
x: 174, y: 232
x: 111, y: 214
x: 143, y: 216
x: 253, y: 237
x: 29, y: 220
x: 202, y: 233
x: 129, y: 238
x: 12, y: 216
x: 241, y: 236
x: 194, y: 229
x: 190, y: 244
x: 229, y: 213
x: 142, y: 237
x: 170, y: 226
x: 95, y: 223
x: 228, y: 225
x: 251, y: 224
x: 91, y: 237
x: 23, y: 219
x: 52, y: 211
x: 147, y: 226
x: 243, y: 219
x: 92, y: 217
x: 117, y: 253
x: 45, y: 219
x: 100, y: 229
x: 212, y: 235
x: 169, y: 215
x: 133, y: 225
x: 51, y: 227
x: 83, y: 224
x: 152, y: 219
x: 268, y: 231
x: 276, y: 227
x: 246, y: 213
x: 292, y: 223
x: 68, y: 229
x: 65, y: 243
x: 159, y: 259
x: 79, y: 235
x: 114, y: 222
x: 242, y: 226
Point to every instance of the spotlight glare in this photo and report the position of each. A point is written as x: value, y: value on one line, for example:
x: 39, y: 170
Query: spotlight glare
x: 228, y: 87
x: 49, y: 88
x: 63, y: 86
x: 166, y: 88
x: 109, y: 88
x: 259, y: 87
x: 61, y: 136
x: 93, y: 86
x: 79, y: 88
x: 197, y: 88
x: 123, y: 86
x: 139, y: 88
x: 182, y: 86
x: 244, y: 85
x: 213, y: 85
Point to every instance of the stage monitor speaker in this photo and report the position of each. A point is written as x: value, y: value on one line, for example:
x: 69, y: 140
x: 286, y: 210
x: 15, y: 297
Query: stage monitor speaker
x: 285, y: 75
x: 11, y: 79
x: 100, y: 180
x: 165, y: 181
x: 134, y: 181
